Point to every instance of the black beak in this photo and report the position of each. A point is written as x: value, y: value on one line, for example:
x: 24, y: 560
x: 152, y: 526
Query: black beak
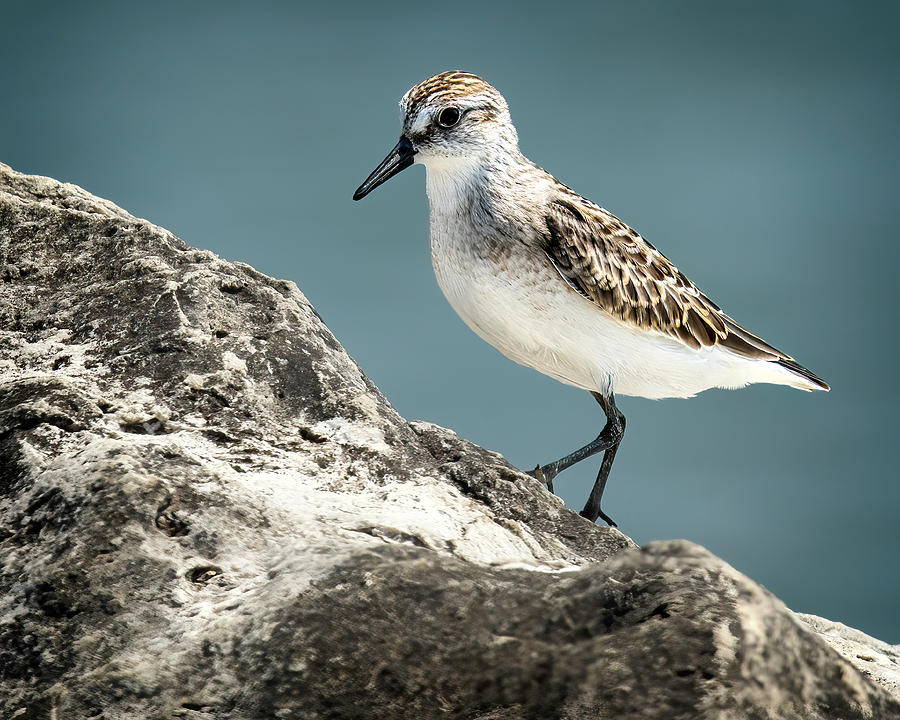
x: 400, y: 158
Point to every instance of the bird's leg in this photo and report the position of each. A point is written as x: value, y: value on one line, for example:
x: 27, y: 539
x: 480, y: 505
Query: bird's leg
x: 546, y: 473
x: 608, y: 440
x: 616, y: 420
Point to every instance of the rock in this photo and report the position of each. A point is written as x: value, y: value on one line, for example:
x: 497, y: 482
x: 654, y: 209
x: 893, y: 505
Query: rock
x: 208, y: 511
x: 875, y: 659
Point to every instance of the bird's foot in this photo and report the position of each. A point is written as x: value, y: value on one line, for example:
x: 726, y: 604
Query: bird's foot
x: 544, y: 475
x: 599, y: 514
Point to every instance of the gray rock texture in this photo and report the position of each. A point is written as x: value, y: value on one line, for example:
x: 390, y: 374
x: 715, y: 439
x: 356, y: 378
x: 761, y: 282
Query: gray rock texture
x: 208, y: 511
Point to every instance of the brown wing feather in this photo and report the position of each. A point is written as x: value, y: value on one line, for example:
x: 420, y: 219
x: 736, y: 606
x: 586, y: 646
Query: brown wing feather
x: 602, y: 258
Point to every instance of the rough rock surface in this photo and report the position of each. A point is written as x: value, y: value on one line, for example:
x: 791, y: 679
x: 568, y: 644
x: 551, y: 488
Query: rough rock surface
x: 872, y: 657
x: 208, y: 511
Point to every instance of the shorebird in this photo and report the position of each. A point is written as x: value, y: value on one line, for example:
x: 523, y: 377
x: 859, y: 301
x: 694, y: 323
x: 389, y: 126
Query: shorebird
x: 557, y: 283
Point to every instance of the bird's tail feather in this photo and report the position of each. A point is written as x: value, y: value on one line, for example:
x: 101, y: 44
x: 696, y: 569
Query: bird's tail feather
x: 810, y: 381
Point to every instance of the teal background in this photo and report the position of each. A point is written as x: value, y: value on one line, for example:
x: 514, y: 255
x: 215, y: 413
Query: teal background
x: 756, y: 144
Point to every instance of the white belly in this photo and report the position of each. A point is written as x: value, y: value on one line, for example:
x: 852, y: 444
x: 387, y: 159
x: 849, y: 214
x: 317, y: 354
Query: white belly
x: 523, y: 308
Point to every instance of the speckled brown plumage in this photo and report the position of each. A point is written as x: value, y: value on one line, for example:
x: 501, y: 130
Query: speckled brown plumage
x: 612, y: 265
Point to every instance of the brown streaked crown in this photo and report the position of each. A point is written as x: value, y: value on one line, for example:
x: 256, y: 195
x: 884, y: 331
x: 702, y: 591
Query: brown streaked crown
x: 447, y: 86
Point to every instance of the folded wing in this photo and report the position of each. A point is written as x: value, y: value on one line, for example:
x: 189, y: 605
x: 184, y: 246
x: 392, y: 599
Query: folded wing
x: 613, y: 266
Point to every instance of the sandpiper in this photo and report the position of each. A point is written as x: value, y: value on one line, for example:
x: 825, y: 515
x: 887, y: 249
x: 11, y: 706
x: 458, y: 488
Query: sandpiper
x: 557, y: 283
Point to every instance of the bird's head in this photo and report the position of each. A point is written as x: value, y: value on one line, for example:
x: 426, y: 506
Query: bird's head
x: 454, y: 119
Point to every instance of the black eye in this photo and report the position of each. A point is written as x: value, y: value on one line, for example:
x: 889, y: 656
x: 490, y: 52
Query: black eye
x: 448, y: 117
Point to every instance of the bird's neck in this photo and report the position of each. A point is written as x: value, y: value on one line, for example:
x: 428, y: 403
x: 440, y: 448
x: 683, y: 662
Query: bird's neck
x: 470, y: 185
x: 452, y: 183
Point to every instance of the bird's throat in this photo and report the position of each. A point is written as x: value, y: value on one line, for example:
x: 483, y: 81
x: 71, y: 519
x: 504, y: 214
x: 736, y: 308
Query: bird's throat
x: 452, y: 183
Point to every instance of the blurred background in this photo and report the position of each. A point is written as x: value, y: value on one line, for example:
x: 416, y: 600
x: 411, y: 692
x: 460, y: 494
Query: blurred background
x: 756, y: 144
